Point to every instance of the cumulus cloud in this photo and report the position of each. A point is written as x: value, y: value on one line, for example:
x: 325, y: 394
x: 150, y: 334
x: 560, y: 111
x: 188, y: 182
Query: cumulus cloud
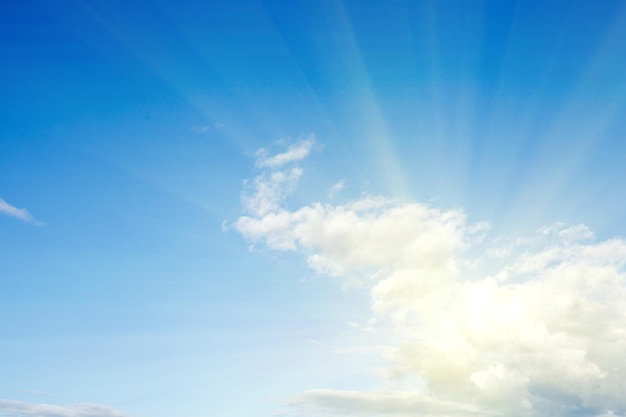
x: 18, y: 213
x: 538, y: 330
x: 268, y: 191
x: 295, y: 152
x: 10, y: 408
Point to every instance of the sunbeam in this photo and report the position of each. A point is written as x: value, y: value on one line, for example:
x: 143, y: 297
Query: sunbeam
x: 313, y: 208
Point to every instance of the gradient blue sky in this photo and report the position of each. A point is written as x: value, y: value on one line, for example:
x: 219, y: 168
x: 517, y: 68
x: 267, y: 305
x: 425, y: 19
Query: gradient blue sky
x: 129, y: 155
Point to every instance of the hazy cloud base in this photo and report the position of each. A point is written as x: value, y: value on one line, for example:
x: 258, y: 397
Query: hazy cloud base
x: 535, y: 326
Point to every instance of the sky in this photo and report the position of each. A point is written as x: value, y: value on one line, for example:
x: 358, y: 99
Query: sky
x: 312, y: 208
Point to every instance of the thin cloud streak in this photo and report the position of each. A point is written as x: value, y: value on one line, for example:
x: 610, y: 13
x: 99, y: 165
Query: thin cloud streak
x: 17, y: 213
x: 11, y: 408
x: 394, y: 403
x: 295, y: 152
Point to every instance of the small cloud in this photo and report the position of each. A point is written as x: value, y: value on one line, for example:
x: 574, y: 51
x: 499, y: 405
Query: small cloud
x: 295, y: 152
x: 203, y: 130
x: 479, y: 227
x: 17, y: 213
x: 499, y: 252
x: 575, y: 233
x: 368, y: 327
x: 336, y: 188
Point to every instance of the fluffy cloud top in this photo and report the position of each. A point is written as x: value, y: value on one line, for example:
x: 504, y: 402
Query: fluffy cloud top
x: 21, y: 214
x: 11, y: 408
x: 533, y: 328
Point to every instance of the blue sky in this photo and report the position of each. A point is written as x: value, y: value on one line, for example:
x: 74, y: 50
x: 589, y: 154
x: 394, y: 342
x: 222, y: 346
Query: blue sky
x: 312, y: 208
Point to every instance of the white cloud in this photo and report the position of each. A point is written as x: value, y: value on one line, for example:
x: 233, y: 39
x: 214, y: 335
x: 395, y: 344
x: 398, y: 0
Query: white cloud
x: 295, y: 152
x: 541, y: 333
x: 336, y: 188
x: 269, y: 191
x: 12, y: 408
x: 18, y: 213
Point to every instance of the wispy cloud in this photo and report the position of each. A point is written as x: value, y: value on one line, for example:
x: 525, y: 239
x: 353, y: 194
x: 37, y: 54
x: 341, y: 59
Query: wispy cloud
x: 12, y: 408
x: 378, y: 403
x: 295, y: 152
x: 18, y: 213
x: 537, y: 330
x: 40, y: 393
x: 336, y: 188
x: 204, y: 129
x: 201, y: 129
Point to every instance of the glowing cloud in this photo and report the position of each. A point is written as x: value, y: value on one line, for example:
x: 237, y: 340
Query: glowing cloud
x: 535, y: 327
